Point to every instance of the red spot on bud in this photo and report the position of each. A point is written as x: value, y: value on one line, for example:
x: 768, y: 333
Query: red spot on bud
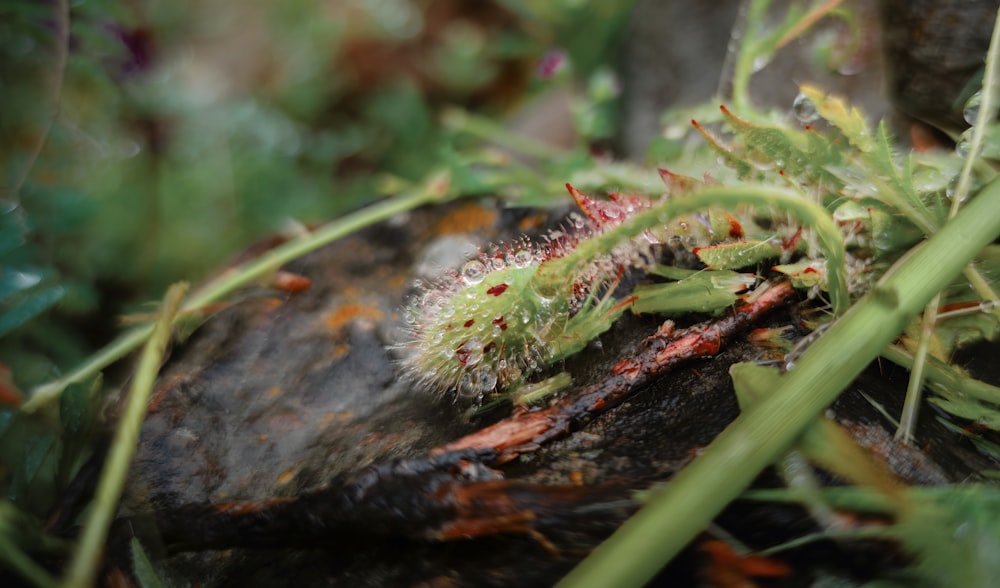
x: 498, y: 289
x: 490, y: 347
x: 810, y: 270
x: 500, y: 322
x: 462, y: 354
x: 469, y: 323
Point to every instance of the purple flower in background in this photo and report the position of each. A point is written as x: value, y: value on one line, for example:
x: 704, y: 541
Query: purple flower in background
x: 554, y: 61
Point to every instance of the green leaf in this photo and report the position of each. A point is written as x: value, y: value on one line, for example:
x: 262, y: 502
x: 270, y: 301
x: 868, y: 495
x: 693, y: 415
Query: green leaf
x: 706, y: 291
x: 28, y: 306
x: 730, y: 256
x: 143, y: 569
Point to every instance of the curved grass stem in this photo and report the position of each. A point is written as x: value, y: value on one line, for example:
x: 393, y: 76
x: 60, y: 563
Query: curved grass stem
x: 728, y: 197
x: 86, y: 558
x: 911, y: 405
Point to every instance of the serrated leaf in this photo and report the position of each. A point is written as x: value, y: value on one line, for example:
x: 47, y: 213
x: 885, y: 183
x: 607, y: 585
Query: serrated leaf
x: 731, y: 256
x: 850, y: 121
x: 804, y: 155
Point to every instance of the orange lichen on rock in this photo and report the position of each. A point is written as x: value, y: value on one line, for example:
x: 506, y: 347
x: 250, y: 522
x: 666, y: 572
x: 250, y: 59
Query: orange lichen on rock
x: 465, y: 219
x: 337, y: 319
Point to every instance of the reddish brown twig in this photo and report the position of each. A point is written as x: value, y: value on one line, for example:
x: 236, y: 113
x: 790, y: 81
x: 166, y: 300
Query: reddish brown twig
x: 661, y: 352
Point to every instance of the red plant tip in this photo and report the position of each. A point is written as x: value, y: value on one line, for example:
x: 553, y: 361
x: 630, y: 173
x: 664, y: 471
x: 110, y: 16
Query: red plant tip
x: 735, y: 228
x: 809, y: 127
x: 781, y: 172
x: 723, y: 108
x: 576, y: 194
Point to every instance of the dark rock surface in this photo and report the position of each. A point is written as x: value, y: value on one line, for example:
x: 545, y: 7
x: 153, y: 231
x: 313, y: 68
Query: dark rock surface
x: 282, y: 447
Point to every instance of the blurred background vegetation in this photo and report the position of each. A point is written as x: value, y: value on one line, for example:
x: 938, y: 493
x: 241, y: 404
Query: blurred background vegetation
x: 148, y: 141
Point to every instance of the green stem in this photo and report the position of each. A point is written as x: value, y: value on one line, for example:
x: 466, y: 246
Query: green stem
x: 987, y: 113
x: 436, y: 188
x: 676, y: 514
x: 748, y: 52
x: 85, y: 561
x: 911, y: 404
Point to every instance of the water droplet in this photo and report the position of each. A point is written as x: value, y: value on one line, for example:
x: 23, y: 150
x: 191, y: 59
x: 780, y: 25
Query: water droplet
x: 949, y: 191
x: 473, y: 272
x: 804, y: 109
x: 470, y: 352
x: 467, y: 387
x: 522, y: 258
x: 760, y: 63
x: 972, y: 106
x: 962, y: 147
x: 759, y: 159
x: 487, y: 379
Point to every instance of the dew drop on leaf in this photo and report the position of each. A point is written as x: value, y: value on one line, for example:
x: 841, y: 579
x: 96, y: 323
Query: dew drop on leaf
x: 487, y: 379
x: 971, y: 111
x: 473, y: 272
x: 467, y: 387
x: 760, y: 62
x: 759, y: 159
x: 522, y: 258
x: 804, y: 109
x: 962, y: 147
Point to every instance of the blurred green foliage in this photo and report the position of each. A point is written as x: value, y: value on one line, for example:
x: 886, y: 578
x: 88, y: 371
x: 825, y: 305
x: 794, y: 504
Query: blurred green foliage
x: 152, y: 141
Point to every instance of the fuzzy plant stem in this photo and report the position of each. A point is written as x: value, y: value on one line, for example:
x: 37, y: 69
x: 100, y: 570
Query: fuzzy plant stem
x: 436, y: 189
x: 86, y: 559
x: 675, y: 515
